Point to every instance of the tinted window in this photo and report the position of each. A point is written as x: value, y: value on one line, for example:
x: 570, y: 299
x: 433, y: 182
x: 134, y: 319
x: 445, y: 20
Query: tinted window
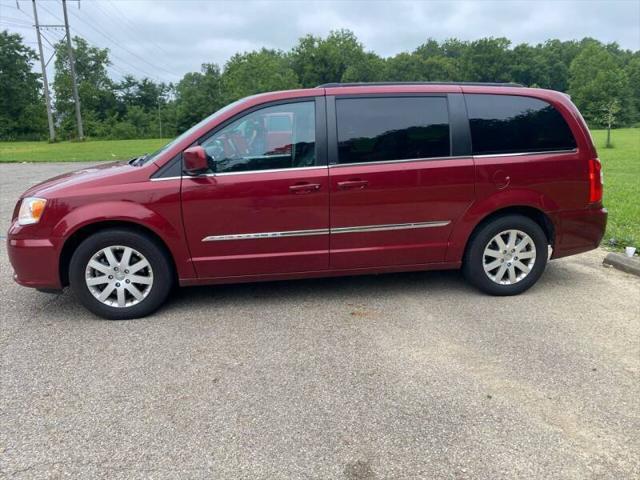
x: 512, y: 124
x: 377, y: 129
x: 282, y: 136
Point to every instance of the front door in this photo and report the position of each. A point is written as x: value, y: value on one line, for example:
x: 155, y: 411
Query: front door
x: 264, y: 206
x: 396, y: 189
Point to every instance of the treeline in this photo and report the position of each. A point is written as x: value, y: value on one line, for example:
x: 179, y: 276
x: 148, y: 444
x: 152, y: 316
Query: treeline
x: 602, y: 79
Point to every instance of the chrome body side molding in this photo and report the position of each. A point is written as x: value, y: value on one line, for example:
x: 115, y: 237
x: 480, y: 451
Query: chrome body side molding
x: 253, y: 236
x: 326, y: 231
x: 392, y: 226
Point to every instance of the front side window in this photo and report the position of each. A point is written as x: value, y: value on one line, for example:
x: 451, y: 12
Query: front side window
x: 394, y: 128
x: 277, y: 137
x: 514, y: 124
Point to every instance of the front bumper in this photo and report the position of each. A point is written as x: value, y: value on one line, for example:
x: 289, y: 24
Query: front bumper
x: 35, y: 261
x: 578, y: 231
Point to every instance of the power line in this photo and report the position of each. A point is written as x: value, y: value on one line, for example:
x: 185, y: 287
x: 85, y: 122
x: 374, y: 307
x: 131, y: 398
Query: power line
x: 132, y: 27
x: 19, y: 20
x: 112, y: 54
x: 113, y: 40
x: 12, y: 25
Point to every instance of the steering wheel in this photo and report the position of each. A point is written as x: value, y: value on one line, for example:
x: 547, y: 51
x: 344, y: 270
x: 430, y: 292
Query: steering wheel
x: 215, y: 151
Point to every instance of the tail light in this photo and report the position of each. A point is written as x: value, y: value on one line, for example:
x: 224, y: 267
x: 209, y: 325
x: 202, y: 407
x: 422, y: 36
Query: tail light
x: 595, y: 180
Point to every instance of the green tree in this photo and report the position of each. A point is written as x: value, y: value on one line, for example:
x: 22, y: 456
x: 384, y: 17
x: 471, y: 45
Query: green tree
x: 316, y: 60
x: 527, y: 66
x: 366, y: 68
x: 431, y: 48
x: 152, y: 99
x: 440, y: 62
x: 633, y: 74
x: 413, y: 67
x: 487, y: 60
x: 554, y: 61
x: 610, y: 112
x: 22, y: 109
x: 256, y: 72
x: 198, y: 94
x: 596, y: 79
x: 454, y: 48
x: 95, y: 88
x: 405, y: 67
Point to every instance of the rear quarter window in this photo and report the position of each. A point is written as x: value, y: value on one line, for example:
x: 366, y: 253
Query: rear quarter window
x: 515, y: 124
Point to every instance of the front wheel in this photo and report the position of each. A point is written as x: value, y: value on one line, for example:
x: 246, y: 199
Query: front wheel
x: 506, y: 256
x: 120, y: 274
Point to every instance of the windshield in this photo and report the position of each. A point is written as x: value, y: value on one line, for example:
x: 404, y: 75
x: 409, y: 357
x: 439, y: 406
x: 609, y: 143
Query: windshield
x: 182, y: 136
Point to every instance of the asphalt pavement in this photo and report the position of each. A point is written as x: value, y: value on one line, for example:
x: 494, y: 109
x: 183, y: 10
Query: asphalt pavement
x: 396, y: 376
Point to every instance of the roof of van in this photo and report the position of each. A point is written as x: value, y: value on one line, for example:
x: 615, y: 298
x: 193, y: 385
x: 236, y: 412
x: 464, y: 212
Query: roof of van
x: 390, y: 84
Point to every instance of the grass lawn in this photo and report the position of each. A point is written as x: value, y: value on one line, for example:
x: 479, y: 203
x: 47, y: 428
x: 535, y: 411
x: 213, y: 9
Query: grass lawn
x: 89, y: 151
x: 621, y: 166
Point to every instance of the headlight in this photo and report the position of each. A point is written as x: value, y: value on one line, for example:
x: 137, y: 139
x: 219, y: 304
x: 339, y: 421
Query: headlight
x: 31, y: 210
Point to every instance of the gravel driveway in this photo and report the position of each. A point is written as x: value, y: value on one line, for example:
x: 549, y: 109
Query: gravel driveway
x: 394, y: 376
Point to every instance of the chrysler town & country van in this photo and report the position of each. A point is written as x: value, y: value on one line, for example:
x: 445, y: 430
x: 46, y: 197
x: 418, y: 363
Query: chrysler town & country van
x: 342, y: 179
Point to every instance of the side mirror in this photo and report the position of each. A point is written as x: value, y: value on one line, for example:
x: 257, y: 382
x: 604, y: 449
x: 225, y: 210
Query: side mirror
x: 195, y: 160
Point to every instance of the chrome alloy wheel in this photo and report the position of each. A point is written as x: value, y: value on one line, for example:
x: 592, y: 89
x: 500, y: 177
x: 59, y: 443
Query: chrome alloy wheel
x: 119, y: 276
x: 509, y: 257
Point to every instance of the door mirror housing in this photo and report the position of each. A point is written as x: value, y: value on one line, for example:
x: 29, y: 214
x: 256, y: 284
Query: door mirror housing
x: 195, y: 161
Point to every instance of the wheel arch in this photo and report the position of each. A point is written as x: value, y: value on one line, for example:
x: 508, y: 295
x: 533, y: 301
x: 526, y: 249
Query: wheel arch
x: 85, y: 231
x: 457, y: 251
x: 535, y: 214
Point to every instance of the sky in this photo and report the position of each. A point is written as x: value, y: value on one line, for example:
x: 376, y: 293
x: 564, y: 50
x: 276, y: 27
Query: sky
x: 164, y: 39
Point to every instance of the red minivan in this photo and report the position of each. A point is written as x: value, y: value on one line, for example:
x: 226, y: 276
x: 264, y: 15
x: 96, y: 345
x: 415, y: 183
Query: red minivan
x: 342, y: 179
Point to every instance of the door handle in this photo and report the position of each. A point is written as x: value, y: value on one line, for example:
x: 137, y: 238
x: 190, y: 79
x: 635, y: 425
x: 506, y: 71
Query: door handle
x: 304, y: 188
x: 351, y: 184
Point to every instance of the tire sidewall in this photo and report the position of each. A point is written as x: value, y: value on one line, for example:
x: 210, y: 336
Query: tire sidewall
x: 473, y: 263
x: 162, y: 283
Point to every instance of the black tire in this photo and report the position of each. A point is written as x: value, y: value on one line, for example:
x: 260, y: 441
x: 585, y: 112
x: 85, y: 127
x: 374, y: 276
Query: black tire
x: 163, y: 277
x: 473, y: 268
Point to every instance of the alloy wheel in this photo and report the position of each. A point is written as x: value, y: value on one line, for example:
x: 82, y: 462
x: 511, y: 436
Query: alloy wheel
x: 509, y: 257
x: 119, y: 276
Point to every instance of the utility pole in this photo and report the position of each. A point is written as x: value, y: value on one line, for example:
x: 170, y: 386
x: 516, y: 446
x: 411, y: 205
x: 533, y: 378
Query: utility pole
x: 74, y: 80
x: 159, y: 118
x: 45, y: 83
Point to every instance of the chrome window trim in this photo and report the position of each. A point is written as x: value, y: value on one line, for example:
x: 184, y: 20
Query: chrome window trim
x: 162, y: 179
x: 272, y: 170
x: 404, y: 160
x: 521, y: 154
x: 325, y: 231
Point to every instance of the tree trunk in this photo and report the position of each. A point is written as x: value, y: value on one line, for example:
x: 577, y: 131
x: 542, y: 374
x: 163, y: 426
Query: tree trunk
x: 608, y: 136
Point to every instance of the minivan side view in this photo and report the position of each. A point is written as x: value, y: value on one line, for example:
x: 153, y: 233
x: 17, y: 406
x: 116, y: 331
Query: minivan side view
x: 342, y: 179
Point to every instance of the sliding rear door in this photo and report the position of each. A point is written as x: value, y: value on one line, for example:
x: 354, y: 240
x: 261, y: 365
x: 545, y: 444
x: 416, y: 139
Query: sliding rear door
x: 396, y: 189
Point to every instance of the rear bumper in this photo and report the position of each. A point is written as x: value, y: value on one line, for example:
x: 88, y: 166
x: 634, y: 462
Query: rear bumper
x: 34, y: 262
x: 578, y: 231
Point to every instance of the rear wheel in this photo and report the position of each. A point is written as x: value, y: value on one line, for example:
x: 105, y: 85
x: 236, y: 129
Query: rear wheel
x: 120, y: 274
x: 506, y: 256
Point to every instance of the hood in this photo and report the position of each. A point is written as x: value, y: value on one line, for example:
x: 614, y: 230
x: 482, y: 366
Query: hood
x: 101, y: 174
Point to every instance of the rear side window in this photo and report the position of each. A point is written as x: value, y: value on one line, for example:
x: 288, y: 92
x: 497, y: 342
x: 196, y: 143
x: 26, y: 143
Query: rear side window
x: 513, y: 124
x: 398, y: 128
